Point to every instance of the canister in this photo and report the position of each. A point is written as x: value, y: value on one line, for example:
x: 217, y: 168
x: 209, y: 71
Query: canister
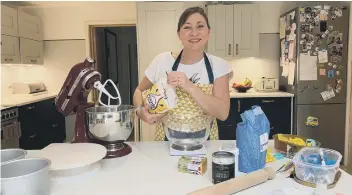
x: 223, y: 166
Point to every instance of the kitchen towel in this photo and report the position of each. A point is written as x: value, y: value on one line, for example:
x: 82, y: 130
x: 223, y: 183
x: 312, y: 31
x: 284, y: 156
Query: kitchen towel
x: 252, y: 136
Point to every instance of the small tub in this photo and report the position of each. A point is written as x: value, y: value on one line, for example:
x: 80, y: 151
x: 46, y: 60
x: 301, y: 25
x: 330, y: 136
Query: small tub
x: 12, y: 154
x: 309, y: 166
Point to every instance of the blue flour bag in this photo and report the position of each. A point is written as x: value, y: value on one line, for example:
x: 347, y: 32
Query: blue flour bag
x: 252, y: 136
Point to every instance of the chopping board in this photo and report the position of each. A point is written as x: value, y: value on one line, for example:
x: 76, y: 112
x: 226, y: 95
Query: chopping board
x: 67, y: 156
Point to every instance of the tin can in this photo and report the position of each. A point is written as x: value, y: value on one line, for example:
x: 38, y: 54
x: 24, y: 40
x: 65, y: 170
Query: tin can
x: 223, y: 166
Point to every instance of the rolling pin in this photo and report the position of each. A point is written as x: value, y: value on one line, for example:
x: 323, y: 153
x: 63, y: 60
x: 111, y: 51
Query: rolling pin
x: 237, y: 184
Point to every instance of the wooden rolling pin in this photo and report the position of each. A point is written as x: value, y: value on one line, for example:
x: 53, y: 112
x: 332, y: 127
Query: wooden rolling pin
x: 238, y: 184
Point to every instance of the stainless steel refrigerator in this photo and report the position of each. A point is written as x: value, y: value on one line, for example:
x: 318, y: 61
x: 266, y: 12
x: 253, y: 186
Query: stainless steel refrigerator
x: 313, y: 66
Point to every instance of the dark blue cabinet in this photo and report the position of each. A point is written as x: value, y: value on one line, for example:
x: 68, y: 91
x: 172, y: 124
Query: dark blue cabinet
x: 277, y: 110
x: 41, y: 125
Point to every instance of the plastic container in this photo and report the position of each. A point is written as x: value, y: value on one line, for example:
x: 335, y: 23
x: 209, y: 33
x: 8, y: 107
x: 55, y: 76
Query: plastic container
x: 309, y: 166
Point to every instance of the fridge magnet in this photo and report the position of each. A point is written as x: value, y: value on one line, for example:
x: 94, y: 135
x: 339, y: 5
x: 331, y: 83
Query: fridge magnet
x: 292, y: 14
x: 312, y: 121
x: 326, y: 7
x: 301, y: 42
x: 330, y: 64
x: 334, y: 66
x: 318, y: 7
x: 336, y: 59
x: 338, y: 12
x: 315, y: 53
x: 329, y: 87
x: 323, y: 56
x: 340, y: 67
x: 331, y: 28
x: 317, y: 49
x: 331, y: 74
x: 321, y: 65
x: 337, y: 73
x: 335, y: 50
x: 308, y: 10
x: 322, y: 72
x: 309, y: 46
x: 323, y: 15
x: 338, y: 85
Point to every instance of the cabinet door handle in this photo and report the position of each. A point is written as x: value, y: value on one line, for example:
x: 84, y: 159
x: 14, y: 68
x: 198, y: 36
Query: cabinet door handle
x: 54, y: 125
x: 33, y: 136
x: 268, y: 101
x: 229, y: 49
x: 30, y: 107
x: 236, y: 49
x: 34, y: 61
x: 238, y: 106
x: 271, y: 128
x: 8, y: 59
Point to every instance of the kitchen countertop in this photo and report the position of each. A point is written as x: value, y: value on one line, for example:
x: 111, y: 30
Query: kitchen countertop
x: 253, y: 94
x: 23, y: 99
x: 149, y: 169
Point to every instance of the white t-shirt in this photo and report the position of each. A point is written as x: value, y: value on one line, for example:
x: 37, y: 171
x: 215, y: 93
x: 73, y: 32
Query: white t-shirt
x: 196, y: 72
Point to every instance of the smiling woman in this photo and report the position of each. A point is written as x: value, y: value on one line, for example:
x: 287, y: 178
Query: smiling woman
x: 202, y: 80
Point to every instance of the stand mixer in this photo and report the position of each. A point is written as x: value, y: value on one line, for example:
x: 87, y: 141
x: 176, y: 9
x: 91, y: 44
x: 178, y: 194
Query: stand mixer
x: 108, y: 125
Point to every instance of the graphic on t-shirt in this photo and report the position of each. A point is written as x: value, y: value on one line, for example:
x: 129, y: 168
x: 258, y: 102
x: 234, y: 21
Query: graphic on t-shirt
x: 194, y: 78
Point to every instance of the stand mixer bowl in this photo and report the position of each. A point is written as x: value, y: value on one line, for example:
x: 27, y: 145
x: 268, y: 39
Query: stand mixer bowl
x: 110, y: 126
x: 187, y: 132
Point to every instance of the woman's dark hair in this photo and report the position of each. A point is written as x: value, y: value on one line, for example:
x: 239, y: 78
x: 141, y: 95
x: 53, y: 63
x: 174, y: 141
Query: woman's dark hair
x: 188, y: 12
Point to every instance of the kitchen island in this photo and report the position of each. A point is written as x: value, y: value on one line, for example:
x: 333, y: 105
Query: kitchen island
x: 150, y: 170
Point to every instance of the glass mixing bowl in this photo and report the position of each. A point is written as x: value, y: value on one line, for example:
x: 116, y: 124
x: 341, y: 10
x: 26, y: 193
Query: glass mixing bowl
x: 187, y: 132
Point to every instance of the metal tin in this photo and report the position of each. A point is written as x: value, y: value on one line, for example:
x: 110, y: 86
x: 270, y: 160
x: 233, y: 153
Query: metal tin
x: 223, y: 166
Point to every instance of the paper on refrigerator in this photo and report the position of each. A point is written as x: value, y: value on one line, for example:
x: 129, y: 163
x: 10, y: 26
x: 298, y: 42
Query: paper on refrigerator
x: 291, y: 72
x: 308, y: 68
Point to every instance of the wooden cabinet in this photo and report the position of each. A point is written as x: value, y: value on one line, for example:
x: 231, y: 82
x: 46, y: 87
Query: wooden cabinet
x: 10, y: 50
x: 41, y: 125
x: 31, y: 51
x: 277, y: 110
x: 235, y: 30
x: 21, y: 37
x: 30, y: 27
x: 9, y: 22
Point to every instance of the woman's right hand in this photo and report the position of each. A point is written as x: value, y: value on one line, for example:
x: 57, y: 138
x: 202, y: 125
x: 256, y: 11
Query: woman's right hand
x: 145, y: 116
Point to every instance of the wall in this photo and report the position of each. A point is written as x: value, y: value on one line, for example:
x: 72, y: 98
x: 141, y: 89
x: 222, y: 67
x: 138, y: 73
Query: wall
x: 348, y: 145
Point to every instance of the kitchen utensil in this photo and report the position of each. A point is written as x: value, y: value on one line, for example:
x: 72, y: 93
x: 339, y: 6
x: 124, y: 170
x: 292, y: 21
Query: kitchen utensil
x: 12, y: 154
x: 28, y: 176
x: 111, y: 126
x: 238, y: 184
x: 187, y: 132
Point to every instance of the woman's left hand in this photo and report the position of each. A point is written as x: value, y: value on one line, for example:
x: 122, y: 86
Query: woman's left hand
x: 179, y: 79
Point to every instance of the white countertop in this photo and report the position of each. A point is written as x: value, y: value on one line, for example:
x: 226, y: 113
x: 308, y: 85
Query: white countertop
x: 253, y: 94
x: 150, y: 170
x: 23, y: 99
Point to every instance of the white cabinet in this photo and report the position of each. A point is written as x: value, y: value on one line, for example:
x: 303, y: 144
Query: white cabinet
x: 9, y: 23
x: 21, y: 37
x: 30, y: 26
x: 234, y: 30
x: 10, y: 50
x: 31, y: 51
x: 157, y: 32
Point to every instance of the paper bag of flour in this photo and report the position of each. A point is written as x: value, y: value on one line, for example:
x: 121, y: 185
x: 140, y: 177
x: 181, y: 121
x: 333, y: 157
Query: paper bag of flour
x: 161, y: 97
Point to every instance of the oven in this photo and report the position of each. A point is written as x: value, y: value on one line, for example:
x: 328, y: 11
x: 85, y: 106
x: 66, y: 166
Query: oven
x: 10, y: 128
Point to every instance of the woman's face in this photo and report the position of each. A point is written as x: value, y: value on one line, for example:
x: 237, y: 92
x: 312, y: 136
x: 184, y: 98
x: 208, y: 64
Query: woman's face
x: 194, y: 33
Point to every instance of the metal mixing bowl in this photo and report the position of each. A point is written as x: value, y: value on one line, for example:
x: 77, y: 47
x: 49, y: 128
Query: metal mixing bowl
x: 110, y: 123
x: 187, y: 132
x: 12, y: 154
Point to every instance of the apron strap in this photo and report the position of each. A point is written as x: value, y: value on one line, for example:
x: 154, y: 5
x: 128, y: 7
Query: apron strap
x: 207, y: 66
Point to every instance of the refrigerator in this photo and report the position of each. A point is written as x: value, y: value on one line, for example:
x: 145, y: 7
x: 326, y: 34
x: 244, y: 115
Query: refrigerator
x: 313, y: 66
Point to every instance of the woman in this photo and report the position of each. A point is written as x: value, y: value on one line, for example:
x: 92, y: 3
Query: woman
x: 203, y: 79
